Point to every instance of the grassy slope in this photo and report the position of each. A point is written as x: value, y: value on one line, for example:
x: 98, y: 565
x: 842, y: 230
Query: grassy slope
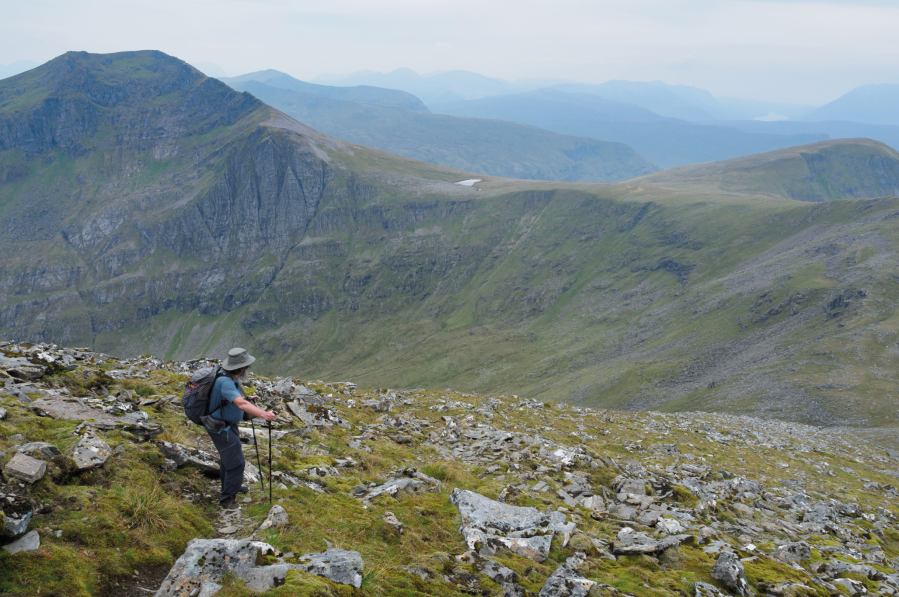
x: 107, y: 535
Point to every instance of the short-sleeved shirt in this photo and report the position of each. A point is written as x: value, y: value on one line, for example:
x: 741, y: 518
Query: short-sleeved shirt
x: 221, y: 401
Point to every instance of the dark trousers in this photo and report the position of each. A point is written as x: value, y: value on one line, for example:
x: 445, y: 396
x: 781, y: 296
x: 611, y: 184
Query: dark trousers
x: 231, y: 460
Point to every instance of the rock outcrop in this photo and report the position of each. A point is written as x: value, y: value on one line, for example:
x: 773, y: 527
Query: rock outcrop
x: 206, y: 561
x: 490, y: 526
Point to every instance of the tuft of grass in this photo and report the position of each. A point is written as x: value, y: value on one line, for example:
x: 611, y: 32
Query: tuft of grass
x: 148, y: 508
x: 438, y: 471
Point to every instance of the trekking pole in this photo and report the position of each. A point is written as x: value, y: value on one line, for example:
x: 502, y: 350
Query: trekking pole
x: 258, y: 460
x: 269, y: 463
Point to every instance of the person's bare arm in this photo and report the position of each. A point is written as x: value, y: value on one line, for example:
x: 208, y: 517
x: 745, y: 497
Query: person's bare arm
x: 248, y: 407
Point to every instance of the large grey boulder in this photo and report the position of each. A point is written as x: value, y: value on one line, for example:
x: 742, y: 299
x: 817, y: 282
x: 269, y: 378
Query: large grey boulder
x: 792, y: 553
x: 630, y: 542
x: 491, y: 526
x: 819, y: 513
x: 397, y: 488
x: 28, y: 543
x: 313, y: 415
x: 206, y: 561
x: 566, y: 581
x: 729, y: 570
x: 835, y: 568
x: 182, y: 455
x: 91, y: 452
x: 25, y: 468
x: 21, y: 367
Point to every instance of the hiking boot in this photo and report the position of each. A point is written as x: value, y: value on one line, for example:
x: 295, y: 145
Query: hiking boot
x: 243, y: 489
x: 229, y: 504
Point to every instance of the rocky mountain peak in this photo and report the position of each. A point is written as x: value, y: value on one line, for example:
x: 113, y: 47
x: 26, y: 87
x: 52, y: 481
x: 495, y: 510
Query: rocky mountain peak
x: 68, y: 101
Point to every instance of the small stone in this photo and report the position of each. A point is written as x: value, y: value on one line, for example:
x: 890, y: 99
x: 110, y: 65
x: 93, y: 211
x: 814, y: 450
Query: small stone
x: 277, y: 516
x: 2, y: 413
x: 247, y: 500
x: 30, y: 542
x: 42, y: 449
x: 25, y: 468
x: 229, y: 530
x: 669, y: 526
x: 91, y: 452
x: 391, y: 519
x: 498, y: 573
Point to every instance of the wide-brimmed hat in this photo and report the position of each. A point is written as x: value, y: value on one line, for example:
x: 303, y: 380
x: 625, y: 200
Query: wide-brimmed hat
x: 238, y: 358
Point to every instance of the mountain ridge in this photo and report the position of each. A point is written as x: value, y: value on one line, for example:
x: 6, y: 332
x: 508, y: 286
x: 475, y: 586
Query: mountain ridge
x: 330, y: 258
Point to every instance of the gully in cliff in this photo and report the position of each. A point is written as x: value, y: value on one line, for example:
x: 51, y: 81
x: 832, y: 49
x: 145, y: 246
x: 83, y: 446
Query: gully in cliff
x: 214, y: 398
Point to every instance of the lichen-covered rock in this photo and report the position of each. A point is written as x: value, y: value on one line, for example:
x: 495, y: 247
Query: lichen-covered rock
x: 182, y: 455
x: 490, y: 526
x: 21, y: 367
x: 391, y: 519
x: 793, y: 553
x: 25, y: 468
x: 74, y: 409
x: 497, y: 572
x: 397, y: 488
x: 729, y: 570
x: 566, y: 581
x: 207, y: 561
x: 277, y: 516
x: 704, y: 589
x: 630, y: 542
x: 91, y: 452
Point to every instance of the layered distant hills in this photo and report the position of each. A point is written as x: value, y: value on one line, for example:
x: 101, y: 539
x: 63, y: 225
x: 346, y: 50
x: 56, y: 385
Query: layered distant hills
x: 485, y: 146
x: 667, y: 142
x: 147, y: 208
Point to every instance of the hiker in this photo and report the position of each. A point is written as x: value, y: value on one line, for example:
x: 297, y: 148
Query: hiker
x: 228, y: 404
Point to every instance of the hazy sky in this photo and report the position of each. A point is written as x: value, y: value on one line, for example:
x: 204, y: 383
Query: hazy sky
x: 800, y: 51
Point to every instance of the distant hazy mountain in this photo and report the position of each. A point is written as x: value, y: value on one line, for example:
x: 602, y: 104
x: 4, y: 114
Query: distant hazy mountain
x: 364, y: 94
x: 19, y: 66
x: 446, y: 86
x: 667, y: 142
x: 684, y: 102
x: 491, y: 147
x: 885, y: 133
x: 874, y: 104
x: 675, y: 101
